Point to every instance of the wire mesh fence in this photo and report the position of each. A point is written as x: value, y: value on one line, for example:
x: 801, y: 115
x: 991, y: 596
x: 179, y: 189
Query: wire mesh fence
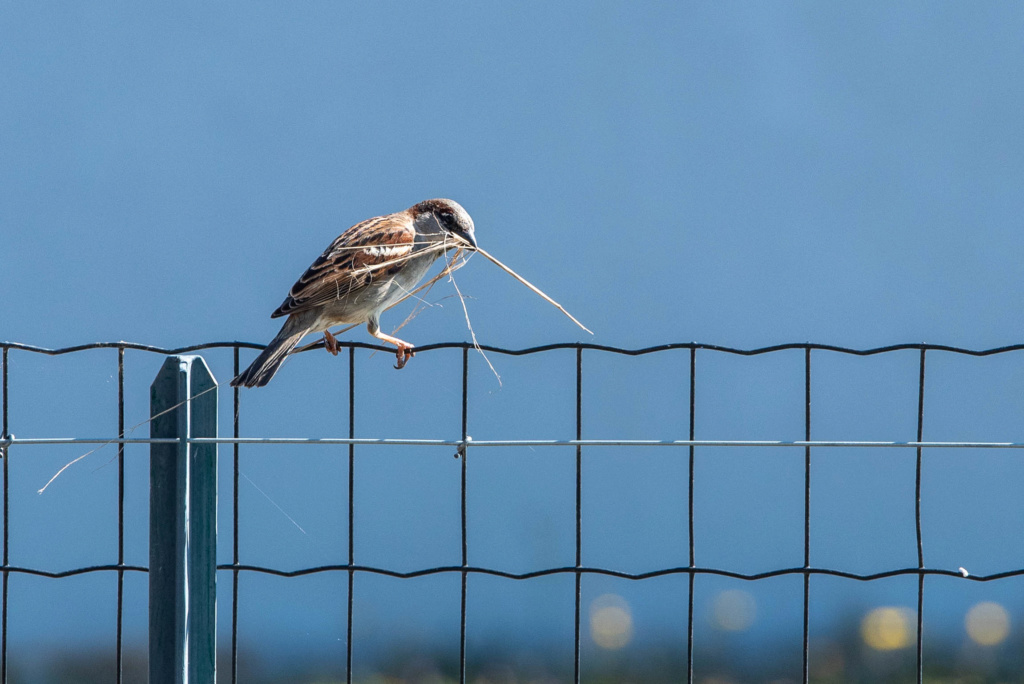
x: 463, y: 446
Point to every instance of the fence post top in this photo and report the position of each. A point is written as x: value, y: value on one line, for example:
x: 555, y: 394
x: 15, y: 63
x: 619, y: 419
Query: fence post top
x: 193, y: 364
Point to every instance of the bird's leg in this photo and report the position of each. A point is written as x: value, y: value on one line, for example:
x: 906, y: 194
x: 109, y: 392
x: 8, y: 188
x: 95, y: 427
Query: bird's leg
x: 330, y: 342
x: 405, y: 350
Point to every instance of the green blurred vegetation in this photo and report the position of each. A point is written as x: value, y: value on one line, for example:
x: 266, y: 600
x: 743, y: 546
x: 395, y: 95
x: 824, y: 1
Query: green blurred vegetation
x: 843, y: 658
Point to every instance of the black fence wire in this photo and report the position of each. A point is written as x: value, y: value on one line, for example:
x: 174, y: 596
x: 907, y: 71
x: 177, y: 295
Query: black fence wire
x: 236, y: 567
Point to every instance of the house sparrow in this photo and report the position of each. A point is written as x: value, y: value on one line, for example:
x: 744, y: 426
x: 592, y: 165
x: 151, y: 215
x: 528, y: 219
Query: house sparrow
x: 365, y: 270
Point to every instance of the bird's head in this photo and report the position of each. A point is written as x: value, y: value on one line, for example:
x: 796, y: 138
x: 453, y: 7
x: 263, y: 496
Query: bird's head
x: 447, y: 217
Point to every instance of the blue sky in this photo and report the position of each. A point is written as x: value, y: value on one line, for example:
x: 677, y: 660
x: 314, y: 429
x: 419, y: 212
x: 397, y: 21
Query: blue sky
x: 732, y: 173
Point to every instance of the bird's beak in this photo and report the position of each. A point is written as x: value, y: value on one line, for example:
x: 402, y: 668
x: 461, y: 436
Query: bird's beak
x: 468, y: 237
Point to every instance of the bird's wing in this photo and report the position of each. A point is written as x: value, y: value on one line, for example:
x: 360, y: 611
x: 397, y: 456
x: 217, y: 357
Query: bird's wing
x: 374, y: 249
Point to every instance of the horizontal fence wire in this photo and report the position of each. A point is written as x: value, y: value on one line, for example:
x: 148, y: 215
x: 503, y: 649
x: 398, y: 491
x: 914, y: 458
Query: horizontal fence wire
x: 530, y: 350
x: 462, y: 446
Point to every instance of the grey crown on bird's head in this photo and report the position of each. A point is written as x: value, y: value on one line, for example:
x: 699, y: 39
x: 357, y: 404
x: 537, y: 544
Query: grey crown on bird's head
x: 448, y: 216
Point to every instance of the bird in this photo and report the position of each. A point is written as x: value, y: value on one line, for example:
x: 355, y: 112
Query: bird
x: 367, y: 269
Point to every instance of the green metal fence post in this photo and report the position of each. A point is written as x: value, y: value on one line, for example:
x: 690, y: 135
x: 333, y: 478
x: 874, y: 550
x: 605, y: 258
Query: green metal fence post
x: 183, y: 525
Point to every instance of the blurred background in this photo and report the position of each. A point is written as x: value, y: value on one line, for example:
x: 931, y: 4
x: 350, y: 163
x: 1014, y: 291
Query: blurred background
x: 742, y: 174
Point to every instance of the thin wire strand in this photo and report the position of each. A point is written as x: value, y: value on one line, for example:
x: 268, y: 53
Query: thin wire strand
x: 567, y: 570
x: 807, y: 515
x: 917, y: 519
x: 234, y: 517
x: 579, y: 509
x: 4, y: 432
x: 570, y: 570
x: 7, y: 518
x: 165, y: 351
x: 465, y: 538
x: 372, y: 441
x: 118, y: 440
x: 351, y: 509
x: 689, y: 602
x: 120, y: 514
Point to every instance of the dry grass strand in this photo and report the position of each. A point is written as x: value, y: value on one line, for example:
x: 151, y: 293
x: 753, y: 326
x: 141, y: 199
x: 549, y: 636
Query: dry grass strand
x: 533, y: 287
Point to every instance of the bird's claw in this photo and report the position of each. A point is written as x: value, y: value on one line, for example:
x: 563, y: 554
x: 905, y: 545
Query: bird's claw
x: 330, y: 343
x: 402, y: 357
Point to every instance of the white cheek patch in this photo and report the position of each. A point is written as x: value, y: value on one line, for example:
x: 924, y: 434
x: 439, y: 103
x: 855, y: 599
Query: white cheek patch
x: 387, y: 251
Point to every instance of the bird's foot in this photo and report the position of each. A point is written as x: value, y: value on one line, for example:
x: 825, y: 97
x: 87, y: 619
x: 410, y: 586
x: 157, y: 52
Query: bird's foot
x: 403, y: 355
x: 330, y: 343
x: 404, y: 352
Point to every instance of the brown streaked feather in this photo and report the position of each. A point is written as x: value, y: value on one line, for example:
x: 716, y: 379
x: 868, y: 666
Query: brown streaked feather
x: 368, y: 251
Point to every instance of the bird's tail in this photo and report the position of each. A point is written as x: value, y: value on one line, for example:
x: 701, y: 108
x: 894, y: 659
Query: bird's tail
x: 270, y: 359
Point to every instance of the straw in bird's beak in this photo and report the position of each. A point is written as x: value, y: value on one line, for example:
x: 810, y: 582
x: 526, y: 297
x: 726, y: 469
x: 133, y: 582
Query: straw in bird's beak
x: 532, y: 287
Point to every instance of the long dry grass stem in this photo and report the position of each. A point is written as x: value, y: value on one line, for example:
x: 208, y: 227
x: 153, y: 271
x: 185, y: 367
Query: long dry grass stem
x: 533, y: 287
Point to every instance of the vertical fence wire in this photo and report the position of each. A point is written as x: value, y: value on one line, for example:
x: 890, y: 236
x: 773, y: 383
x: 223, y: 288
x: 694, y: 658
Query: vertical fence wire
x: 3, y: 365
x: 7, y: 516
x: 234, y: 524
x: 807, y: 514
x: 120, y: 514
x: 689, y: 603
x: 579, y: 508
x: 351, y: 508
x: 465, y: 554
x: 917, y: 518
